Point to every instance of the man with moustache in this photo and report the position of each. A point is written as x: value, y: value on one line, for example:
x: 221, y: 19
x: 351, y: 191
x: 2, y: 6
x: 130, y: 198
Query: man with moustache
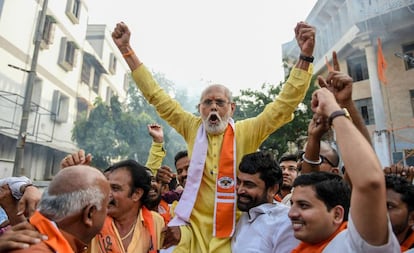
x: 400, y: 205
x: 289, y: 167
x: 327, y: 214
x: 181, y: 162
x: 155, y: 157
x: 264, y: 226
x: 205, y: 216
x: 129, y: 226
x: 155, y: 202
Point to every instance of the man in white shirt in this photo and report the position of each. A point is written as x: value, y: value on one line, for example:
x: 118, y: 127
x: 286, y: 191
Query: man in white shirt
x: 264, y: 226
x: 317, y: 213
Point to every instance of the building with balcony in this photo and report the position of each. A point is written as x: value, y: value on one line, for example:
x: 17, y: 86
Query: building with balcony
x: 352, y: 28
x: 76, y: 63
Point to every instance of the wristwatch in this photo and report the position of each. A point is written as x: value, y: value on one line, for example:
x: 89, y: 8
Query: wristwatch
x: 343, y: 112
x: 306, y: 58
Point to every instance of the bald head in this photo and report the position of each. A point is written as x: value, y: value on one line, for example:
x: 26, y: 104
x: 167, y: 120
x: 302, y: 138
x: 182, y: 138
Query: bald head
x: 72, y: 189
x: 74, y: 178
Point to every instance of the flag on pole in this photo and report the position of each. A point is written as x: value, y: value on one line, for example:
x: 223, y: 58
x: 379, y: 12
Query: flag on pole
x: 382, y: 64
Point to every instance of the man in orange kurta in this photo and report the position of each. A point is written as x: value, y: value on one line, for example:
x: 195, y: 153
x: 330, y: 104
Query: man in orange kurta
x: 71, y: 212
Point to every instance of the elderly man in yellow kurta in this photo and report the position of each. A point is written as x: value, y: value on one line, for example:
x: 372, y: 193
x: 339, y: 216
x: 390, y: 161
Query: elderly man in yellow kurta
x: 205, y: 216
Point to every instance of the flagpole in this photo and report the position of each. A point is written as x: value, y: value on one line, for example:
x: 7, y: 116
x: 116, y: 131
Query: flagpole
x: 390, y: 117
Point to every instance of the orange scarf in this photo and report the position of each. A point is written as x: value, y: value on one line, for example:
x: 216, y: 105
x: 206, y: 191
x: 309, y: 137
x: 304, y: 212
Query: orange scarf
x: 225, y: 204
x: 55, y: 240
x: 304, y: 247
x: 108, y: 241
x: 408, y: 242
x: 277, y: 198
x: 164, y: 211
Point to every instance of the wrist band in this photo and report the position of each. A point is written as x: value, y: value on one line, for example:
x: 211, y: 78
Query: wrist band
x: 129, y: 53
x: 319, y: 162
x: 306, y: 58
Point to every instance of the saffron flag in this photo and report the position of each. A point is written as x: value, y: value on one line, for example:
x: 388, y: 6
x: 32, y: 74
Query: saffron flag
x: 382, y: 64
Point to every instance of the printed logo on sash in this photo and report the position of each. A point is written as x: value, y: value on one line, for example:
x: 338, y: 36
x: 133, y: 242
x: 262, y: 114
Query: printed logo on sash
x: 225, y: 182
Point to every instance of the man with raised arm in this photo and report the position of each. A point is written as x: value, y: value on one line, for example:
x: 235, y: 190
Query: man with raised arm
x: 205, y: 216
x: 320, y: 200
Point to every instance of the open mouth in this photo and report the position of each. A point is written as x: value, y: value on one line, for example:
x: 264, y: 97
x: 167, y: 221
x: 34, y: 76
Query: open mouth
x: 213, y: 119
x: 152, y: 192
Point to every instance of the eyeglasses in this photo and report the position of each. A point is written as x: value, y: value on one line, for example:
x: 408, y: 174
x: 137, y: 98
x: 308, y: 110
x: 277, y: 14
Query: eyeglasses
x: 324, y: 159
x: 218, y: 102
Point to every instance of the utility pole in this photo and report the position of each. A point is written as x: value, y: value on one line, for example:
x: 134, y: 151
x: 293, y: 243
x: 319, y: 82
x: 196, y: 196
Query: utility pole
x: 18, y: 169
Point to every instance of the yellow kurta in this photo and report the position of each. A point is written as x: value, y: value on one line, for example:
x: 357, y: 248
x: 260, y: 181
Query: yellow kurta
x: 249, y: 134
x: 155, y: 157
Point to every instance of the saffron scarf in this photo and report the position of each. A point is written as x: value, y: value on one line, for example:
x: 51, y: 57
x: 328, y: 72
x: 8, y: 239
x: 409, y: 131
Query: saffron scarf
x: 55, y: 240
x: 277, y: 198
x: 225, y: 202
x: 304, y: 247
x: 108, y: 240
x: 225, y: 182
x: 164, y: 211
x: 408, y: 242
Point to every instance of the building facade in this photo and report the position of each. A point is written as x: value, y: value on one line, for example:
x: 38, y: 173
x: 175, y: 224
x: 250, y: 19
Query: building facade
x: 352, y: 29
x: 76, y: 63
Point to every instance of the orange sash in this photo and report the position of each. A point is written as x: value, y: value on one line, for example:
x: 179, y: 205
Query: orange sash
x: 149, y: 224
x: 109, y: 242
x: 55, y: 240
x: 277, y: 198
x: 408, y: 243
x: 164, y: 211
x: 225, y: 204
x: 319, y: 247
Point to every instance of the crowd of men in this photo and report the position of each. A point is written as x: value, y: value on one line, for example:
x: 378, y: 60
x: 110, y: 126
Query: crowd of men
x: 225, y: 195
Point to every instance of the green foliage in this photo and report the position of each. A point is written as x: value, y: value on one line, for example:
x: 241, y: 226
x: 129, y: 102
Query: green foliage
x: 96, y: 134
x: 252, y: 102
x: 119, y: 130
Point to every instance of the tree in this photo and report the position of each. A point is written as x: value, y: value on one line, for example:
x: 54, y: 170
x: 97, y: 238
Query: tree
x: 96, y: 134
x: 251, y: 102
x: 119, y: 130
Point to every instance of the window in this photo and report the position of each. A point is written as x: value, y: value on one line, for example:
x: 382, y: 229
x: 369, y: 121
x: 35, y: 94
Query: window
x: 397, y: 157
x: 73, y: 8
x: 1, y: 6
x: 126, y: 81
x: 366, y: 109
x: 412, y: 100
x: 109, y: 94
x: 60, y: 107
x: 112, y: 63
x: 357, y: 68
x: 48, y: 32
x: 67, y: 54
x: 86, y: 71
x: 82, y: 108
x: 409, y: 156
x: 408, y: 51
x: 95, y: 86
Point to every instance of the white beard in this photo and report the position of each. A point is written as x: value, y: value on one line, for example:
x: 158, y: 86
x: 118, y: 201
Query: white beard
x: 216, y: 128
